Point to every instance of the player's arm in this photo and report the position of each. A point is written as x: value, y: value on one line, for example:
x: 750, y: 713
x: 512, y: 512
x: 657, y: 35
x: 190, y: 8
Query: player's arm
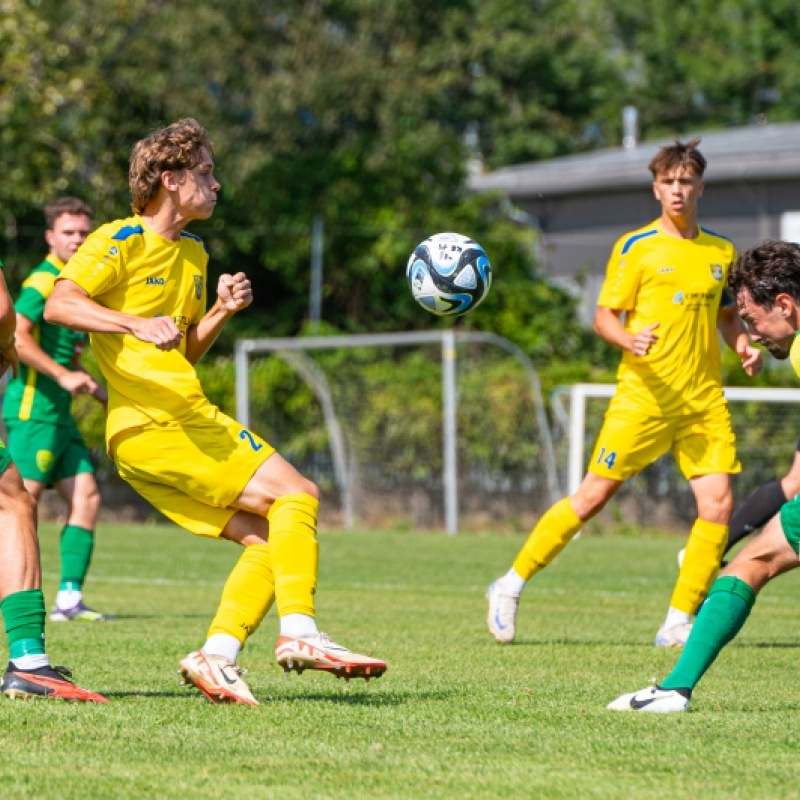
x: 70, y: 305
x: 8, y: 324
x: 734, y: 332
x: 31, y: 354
x: 233, y: 294
x: 608, y: 325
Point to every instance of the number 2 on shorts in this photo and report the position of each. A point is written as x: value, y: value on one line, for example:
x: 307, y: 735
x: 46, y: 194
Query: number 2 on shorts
x: 249, y: 436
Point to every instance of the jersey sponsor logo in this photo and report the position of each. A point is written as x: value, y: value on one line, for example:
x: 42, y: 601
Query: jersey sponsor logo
x: 716, y: 271
x: 44, y: 460
x: 151, y: 281
x: 198, y: 286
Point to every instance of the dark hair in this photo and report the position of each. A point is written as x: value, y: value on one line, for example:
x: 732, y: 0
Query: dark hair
x: 65, y: 205
x: 767, y: 270
x: 678, y: 155
x: 173, y: 148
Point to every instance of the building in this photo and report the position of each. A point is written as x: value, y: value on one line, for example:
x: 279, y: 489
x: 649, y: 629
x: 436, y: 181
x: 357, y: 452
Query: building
x: 581, y: 204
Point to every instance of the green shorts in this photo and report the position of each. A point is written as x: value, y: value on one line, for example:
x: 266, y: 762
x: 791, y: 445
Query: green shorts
x: 48, y: 453
x: 790, y: 522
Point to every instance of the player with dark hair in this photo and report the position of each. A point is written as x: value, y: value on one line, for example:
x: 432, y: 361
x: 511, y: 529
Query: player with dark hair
x: 668, y: 281
x: 43, y: 439
x: 138, y: 286
x: 29, y: 674
x: 766, y: 284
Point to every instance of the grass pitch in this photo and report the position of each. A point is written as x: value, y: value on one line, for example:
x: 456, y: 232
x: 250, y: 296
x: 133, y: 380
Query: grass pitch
x: 455, y: 716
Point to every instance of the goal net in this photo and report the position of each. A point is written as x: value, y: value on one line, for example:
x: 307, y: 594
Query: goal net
x: 766, y: 423
x: 419, y: 430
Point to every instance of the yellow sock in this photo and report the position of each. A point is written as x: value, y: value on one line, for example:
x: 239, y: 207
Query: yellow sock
x: 700, y: 565
x: 550, y: 536
x: 248, y: 594
x: 295, y: 552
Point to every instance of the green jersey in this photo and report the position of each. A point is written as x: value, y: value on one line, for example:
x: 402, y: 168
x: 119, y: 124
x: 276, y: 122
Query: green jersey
x: 31, y: 395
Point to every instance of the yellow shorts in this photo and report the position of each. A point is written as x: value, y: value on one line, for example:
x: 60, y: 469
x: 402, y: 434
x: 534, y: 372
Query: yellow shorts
x: 191, y: 472
x: 702, y: 443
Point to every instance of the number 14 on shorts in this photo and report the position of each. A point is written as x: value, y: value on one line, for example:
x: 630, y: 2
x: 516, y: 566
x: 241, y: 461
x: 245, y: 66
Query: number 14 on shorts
x: 606, y: 458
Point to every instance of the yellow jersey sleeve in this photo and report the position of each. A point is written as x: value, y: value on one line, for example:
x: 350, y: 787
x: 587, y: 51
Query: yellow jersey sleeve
x: 621, y: 285
x: 99, y: 263
x: 794, y: 354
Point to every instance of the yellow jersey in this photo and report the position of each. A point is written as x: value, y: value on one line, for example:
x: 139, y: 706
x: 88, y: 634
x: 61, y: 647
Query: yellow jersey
x: 794, y: 354
x: 127, y: 267
x: 678, y: 283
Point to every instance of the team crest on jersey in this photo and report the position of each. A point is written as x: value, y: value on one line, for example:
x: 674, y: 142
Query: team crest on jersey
x: 44, y: 460
x: 198, y: 287
x: 678, y: 299
x: 716, y: 271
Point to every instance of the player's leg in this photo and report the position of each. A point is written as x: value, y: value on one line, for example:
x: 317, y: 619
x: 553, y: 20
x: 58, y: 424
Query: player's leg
x: 551, y: 534
x: 29, y: 674
x: 290, y: 503
x: 764, y: 503
x: 722, y: 615
x: 76, y: 545
x: 705, y: 453
x: 627, y: 442
x: 701, y: 558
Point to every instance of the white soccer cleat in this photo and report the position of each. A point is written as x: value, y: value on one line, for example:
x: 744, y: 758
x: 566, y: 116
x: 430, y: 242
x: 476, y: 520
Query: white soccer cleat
x: 219, y: 679
x: 651, y: 700
x: 674, y: 636
x: 319, y: 651
x: 502, y: 613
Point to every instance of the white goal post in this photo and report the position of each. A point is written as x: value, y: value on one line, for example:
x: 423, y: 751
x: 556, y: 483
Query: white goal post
x: 575, y: 420
x: 294, y: 352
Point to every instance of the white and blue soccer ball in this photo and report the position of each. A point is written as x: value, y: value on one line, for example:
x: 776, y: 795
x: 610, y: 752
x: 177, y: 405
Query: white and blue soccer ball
x: 449, y: 274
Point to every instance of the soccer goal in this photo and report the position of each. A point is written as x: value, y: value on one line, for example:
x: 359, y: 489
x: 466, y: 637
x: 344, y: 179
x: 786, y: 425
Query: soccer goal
x: 766, y: 423
x: 427, y: 429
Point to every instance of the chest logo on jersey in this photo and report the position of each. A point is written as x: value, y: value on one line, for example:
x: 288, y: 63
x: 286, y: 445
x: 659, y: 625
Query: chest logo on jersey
x: 665, y: 270
x: 716, y: 271
x: 678, y: 299
x: 151, y: 281
x: 198, y: 286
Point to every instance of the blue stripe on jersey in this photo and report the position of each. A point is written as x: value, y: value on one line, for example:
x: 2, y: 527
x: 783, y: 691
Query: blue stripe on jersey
x: 196, y: 238
x: 125, y: 233
x: 635, y: 238
x: 712, y: 233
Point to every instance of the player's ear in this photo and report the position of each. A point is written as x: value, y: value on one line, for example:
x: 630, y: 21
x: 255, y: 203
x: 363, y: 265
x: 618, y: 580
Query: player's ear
x: 169, y: 180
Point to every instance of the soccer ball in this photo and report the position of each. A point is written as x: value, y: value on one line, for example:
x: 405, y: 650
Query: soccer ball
x: 449, y: 274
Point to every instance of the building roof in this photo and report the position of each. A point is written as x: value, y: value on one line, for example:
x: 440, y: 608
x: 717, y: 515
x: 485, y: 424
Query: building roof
x: 748, y: 152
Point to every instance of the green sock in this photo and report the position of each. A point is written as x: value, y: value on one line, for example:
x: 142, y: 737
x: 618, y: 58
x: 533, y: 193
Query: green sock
x: 76, y: 554
x: 23, y: 615
x: 721, y: 617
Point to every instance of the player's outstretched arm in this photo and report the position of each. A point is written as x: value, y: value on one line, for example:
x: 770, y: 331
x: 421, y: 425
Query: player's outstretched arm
x: 233, y: 294
x: 70, y: 305
x: 734, y: 332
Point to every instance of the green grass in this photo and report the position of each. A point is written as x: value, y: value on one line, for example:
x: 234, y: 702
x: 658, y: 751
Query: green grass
x: 455, y: 716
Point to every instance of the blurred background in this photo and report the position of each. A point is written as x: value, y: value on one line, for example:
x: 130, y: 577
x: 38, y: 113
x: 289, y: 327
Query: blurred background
x: 346, y: 132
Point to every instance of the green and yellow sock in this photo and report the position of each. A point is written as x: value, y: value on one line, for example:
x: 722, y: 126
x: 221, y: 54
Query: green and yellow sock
x: 23, y: 617
x: 549, y: 537
x: 76, y: 547
x: 722, y: 616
